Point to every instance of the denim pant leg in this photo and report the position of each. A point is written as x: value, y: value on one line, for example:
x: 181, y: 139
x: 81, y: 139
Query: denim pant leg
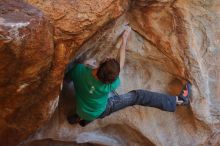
x: 140, y: 97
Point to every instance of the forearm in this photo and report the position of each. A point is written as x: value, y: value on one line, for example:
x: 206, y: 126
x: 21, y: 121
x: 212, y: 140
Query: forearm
x: 122, y: 54
x: 123, y: 46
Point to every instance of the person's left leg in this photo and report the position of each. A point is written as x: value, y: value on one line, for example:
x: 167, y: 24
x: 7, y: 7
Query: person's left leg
x: 140, y: 97
x: 147, y: 98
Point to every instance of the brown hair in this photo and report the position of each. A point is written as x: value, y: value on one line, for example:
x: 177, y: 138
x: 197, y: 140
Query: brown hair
x: 108, y: 71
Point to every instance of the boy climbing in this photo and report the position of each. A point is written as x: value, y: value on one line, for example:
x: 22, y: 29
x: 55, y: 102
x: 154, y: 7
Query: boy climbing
x: 92, y: 87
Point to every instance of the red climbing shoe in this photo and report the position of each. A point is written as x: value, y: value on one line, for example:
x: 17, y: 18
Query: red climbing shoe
x: 73, y: 119
x: 185, y: 93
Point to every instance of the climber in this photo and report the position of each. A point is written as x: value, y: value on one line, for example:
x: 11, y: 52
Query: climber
x: 92, y: 87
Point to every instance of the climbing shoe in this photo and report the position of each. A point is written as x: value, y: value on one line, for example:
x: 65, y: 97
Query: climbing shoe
x: 185, y: 93
x: 73, y: 119
x: 83, y: 123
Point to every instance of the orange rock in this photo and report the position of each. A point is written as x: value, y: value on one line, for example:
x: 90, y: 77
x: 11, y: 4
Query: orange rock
x: 26, y: 61
x: 76, y: 21
x: 171, y: 41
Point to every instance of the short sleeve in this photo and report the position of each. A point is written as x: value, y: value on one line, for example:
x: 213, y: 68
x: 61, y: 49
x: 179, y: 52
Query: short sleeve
x: 116, y: 84
x: 76, y: 70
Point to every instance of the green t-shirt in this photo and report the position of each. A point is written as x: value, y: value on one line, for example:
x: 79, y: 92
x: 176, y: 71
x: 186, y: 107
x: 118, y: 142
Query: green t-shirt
x: 91, y: 94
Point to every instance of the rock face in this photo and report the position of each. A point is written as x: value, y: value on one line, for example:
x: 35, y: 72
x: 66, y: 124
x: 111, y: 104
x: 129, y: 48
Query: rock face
x: 32, y: 67
x: 171, y: 41
x: 76, y: 21
x: 27, y: 66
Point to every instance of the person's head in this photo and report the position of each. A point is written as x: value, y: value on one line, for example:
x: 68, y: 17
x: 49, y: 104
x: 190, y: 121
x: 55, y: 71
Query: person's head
x: 108, y: 71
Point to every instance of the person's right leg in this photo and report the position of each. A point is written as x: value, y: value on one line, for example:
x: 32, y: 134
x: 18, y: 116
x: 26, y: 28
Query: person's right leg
x: 73, y: 119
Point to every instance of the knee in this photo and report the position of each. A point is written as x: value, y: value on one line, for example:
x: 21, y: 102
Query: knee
x: 138, y: 96
x: 137, y: 92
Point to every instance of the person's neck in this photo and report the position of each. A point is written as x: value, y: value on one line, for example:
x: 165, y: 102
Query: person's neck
x: 94, y: 73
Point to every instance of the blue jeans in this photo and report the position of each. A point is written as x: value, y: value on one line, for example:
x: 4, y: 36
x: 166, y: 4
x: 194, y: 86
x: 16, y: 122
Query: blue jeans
x: 140, y: 97
x: 137, y: 97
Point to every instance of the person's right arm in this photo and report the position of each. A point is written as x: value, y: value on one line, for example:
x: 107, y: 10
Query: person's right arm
x: 91, y: 63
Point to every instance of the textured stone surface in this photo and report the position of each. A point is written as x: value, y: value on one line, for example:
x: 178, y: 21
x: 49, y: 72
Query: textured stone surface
x: 30, y: 71
x: 171, y: 41
x: 76, y: 21
x: 31, y: 66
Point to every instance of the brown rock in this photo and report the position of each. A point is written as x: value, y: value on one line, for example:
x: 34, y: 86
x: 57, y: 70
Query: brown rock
x: 78, y: 20
x: 31, y: 68
x: 28, y: 68
x: 171, y: 41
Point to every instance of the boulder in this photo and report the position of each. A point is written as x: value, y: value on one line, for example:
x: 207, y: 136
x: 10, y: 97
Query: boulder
x: 171, y: 42
x: 76, y: 21
x: 32, y: 63
x: 30, y: 71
